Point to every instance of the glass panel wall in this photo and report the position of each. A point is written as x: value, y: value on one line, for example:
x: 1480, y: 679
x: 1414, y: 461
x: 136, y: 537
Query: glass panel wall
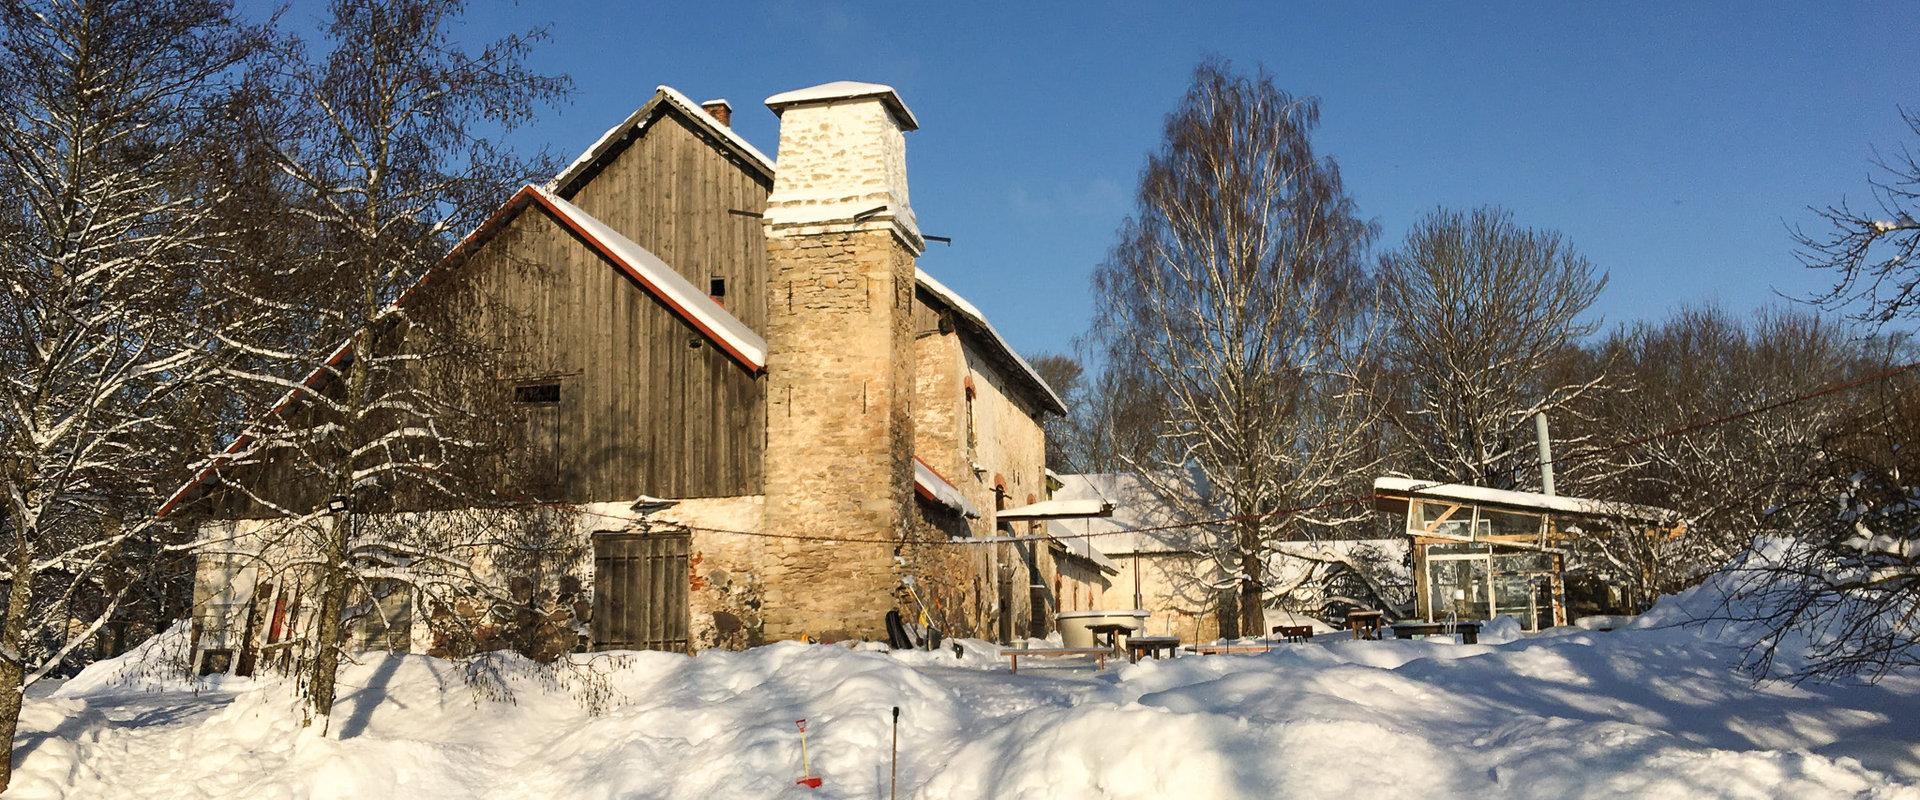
x: 1457, y: 582
x: 1508, y: 523
x: 1458, y: 523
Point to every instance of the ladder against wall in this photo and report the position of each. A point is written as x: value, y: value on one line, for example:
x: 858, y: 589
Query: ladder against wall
x: 640, y: 591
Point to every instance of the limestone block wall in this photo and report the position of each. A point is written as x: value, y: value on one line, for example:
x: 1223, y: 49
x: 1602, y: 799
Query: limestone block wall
x: 1007, y: 435
x: 725, y: 588
x: 939, y: 404
x: 989, y: 440
x: 1010, y: 449
x: 839, y: 430
x: 839, y: 159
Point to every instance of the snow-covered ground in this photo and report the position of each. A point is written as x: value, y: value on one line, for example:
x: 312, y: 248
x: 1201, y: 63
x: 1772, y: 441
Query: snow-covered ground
x: 1648, y: 712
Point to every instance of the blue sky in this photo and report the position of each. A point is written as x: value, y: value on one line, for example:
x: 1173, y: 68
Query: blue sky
x: 1671, y: 143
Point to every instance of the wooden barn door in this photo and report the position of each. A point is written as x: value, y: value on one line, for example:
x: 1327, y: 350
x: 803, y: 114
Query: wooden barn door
x: 640, y: 592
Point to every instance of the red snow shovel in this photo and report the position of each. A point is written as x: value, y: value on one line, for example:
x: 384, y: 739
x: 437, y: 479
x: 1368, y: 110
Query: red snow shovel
x: 807, y: 778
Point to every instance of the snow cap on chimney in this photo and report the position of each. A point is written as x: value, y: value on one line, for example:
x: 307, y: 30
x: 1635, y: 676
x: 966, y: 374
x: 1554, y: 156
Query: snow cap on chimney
x: 720, y: 110
x: 843, y: 162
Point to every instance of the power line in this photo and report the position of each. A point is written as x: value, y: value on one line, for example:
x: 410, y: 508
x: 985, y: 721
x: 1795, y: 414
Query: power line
x: 1680, y: 430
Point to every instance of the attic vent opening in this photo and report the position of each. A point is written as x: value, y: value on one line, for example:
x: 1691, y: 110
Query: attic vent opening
x: 717, y: 289
x: 537, y: 393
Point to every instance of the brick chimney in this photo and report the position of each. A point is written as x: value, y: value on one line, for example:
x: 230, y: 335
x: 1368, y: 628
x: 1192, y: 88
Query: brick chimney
x: 720, y: 110
x: 841, y: 246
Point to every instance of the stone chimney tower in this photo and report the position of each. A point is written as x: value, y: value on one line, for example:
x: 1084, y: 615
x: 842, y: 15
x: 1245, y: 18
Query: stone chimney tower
x: 841, y: 245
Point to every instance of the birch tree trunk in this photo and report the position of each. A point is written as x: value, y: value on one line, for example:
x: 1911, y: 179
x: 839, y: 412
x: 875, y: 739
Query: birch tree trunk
x: 1236, y: 298
x: 12, y: 661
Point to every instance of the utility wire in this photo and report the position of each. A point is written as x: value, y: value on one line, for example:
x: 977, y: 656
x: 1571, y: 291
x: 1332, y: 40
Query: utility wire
x: 1350, y: 500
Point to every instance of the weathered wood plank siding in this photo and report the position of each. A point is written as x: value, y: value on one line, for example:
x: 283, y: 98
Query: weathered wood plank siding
x: 649, y: 404
x: 673, y: 193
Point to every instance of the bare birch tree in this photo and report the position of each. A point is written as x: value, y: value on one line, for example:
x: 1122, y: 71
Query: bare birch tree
x: 386, y: 144
x: 1874, y: 256
x: 1841, y: 596
x: 105, y: 242
x: 1238, y: 293
x: 1476, y: 310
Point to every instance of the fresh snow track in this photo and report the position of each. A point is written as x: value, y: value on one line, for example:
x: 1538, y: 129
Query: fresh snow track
x: 1641, y: 712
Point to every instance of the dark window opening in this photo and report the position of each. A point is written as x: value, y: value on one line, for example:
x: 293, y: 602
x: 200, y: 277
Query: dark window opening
x: 717, y: 289
x: 537, y: 393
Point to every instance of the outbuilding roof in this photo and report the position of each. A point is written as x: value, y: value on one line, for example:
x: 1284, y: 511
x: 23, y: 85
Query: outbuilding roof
x: 1136, y: 506
x: 1530, y: 501
x: 1057, y: 508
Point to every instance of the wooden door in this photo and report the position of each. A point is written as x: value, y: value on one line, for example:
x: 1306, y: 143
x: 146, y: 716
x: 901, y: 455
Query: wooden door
x: 640, y: 592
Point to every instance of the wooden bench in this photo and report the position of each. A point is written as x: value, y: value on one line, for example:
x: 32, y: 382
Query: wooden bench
x: 1138, y: 646
x: 1262, y: 646
x: 1014, y: 654
x: 1293, y: 633
x: 1469, y: 631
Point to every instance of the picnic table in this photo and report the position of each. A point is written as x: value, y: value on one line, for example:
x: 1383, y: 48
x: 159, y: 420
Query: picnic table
x: 1469, y: 631
x: 1014, y: 654
x: 1113, y: 630
x: 1151, y: 645
x: 1365, y: 624
x: 1293, y: 633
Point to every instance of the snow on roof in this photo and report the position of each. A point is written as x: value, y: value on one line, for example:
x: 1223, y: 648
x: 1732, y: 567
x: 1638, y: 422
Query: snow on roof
x: 663, y: 282
x: 1056, y: 508
x: 1530, y: 500
x: 1135, y: 506
x: 1080, y: 545
x: 967, y: 310
x: 733, y: 137
x: 669, y: 94
x: 847, y: 90
x: 934, y: 488
x: 642, y: 116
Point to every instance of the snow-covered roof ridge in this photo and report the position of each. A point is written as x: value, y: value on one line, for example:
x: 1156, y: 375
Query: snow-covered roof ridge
x: 668, y: 94
x: 641, y: 117
x: 686, y: 104
x: 733, y: 336
x: 1534, y: 500
x: 847, y: 90
x: 973, y: 315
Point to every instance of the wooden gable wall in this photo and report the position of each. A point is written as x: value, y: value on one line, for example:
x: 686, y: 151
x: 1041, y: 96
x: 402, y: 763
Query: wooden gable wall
x: 648, y: 404
x: 674, y: 192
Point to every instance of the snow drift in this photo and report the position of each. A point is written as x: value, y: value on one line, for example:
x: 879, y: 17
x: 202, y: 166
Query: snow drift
x: 1651, y: 711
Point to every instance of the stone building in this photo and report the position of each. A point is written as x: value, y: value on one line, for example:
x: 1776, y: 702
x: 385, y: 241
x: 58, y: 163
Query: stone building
x: 1171, y: 574
x: 729, y: 347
